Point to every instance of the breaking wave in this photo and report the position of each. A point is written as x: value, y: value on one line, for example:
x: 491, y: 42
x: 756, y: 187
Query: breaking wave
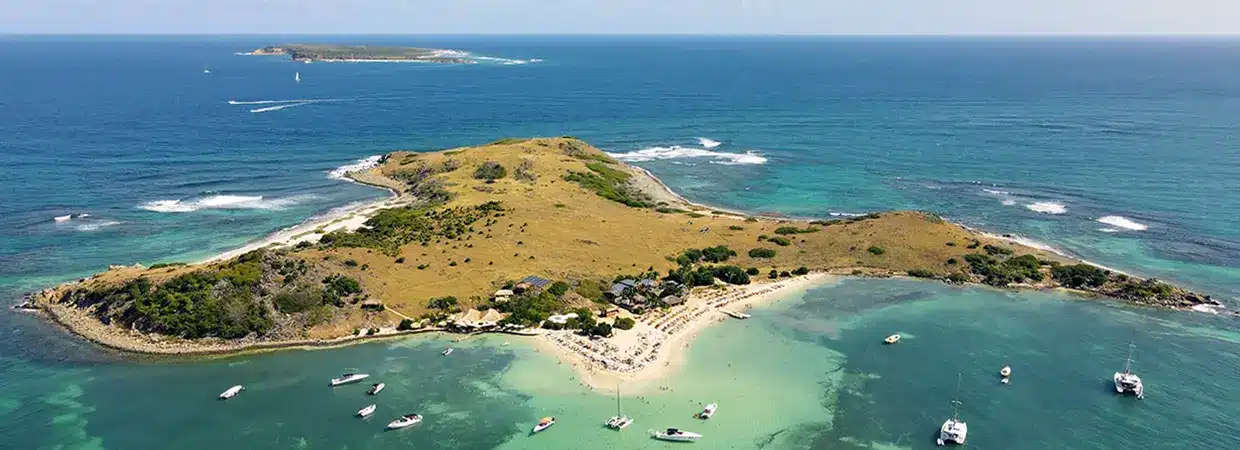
x: 359, y: 165
x: 1047, y: 207
x: 996, y: 192
x: 1122, y: 222
x: 221, y: 202
x: 708, y: 143
x: 677, y: 152
x: 1009, y: 202
x: 96, y: 226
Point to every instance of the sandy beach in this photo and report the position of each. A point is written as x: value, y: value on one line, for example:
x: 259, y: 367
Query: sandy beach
x: 655, y: 347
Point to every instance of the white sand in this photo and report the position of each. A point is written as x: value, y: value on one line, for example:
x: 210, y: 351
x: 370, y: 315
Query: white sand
x: 677, y: 338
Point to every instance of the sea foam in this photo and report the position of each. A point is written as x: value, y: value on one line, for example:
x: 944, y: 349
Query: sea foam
x: 1123, y: 222
x: 221, y: 202
x: 96, y: 226
x: 1047, y: 207
x: 677, y: 152
x: 357, y: 166
x: 708, y: 143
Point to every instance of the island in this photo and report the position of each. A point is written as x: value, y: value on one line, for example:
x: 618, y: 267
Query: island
x: 307, y: 53
x: 548, y: 237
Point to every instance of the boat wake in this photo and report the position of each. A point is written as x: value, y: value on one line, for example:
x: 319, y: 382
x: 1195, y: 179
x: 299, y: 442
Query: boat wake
x: 358, y: 166
x: 222, y: 202
x: 1122, y: 222
x: 1047, y: 207
x: 678, y: 152
x: 279, y: 107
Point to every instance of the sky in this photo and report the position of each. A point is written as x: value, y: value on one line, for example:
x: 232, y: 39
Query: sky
x: 620, y: 16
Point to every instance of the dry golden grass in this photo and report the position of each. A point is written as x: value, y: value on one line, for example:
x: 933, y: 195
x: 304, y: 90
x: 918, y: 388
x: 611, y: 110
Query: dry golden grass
x: 555, y: 229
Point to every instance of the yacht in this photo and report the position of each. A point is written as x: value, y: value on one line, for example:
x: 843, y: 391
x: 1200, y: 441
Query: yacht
x: 708, y: 411
x: 407, y: 420
x: 1128, y: 382
x: 349, y: 378
x: 675, y: 434
x: 892, y: 339
x: 618, y: 421
x: 367, y: 411
x: 232, y: 392
x: 544, y: 424
x: 448, y: 351
x: 954, y: 430
x: 375, y: 388
x: 1005, y: 374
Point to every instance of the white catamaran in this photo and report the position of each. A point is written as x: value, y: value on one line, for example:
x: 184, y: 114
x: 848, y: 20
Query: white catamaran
x: 1128, y: 382
x: 954, y: 430
x: 619, y: 422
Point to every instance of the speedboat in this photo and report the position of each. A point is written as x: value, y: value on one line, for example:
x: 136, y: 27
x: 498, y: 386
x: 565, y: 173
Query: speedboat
x: 544, y: 424
x: 407, y: 420
x: 708, y: 411
x: 1006, y: 371
x: 619, y: 422
x: 375, y: 388
x: 448, y: 351
x: 349, y: 378
x: 367, y: 411
x: 1128, y: 382
x: 675, y: 434
x: 232, y: 392
x: 954, y: 431
x: 892, y: 339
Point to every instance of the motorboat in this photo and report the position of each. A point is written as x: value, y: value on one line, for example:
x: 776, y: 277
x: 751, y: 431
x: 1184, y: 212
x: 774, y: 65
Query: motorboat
x: 407, y: 420
x: 1006, y: 371
x: 954, y: 430
x: 544, y: 424
x: 375, y: 388
x: 448, y: 351
x: 619, y: 421
x: 232, y: 392
x: 708, y: 411
x: 892, y: 339
x: 367, y: 411
x: 349, y: 378
x: 1127, y: 382
x: 675, y: 434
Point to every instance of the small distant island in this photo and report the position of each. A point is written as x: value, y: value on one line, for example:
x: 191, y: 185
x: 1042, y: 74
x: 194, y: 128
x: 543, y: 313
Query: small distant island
x: 548, y: 237
x: 363, y: 53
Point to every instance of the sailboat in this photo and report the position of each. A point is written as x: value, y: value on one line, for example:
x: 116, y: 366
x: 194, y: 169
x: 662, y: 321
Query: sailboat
x: 205, y: 70
x: 297, y: 77
x: 619, y: 422
x: 954, y: 430
x: 1128, y: 382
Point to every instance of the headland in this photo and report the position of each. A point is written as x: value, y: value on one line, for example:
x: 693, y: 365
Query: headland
x: 306, y: 53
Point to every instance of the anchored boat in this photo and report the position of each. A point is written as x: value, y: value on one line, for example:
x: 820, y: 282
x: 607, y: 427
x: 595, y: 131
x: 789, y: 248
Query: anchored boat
x: 618, y: 421
x: 367, y: 411
x: 375, y: 388
x: 892, y: 339
x: 675, y: 435
x: 232, y: 392
x: 348, y: 378
x: 1128, y: 382
x: 407, y: 420
x: 954, y: 430
x: 448, y: 351
x: 708, y: 411
x: 1005, y: 373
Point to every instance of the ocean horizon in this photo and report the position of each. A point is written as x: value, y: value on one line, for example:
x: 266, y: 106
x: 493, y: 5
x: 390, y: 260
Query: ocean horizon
x: 1117, y: 150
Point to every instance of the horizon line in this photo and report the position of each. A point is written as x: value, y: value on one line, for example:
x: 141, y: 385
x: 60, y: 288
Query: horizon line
x: 628, y: 34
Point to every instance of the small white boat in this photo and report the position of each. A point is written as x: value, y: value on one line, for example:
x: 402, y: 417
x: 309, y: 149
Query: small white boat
x: 544, y: 424
x: 375, y: 388
x: 1128, y: 382
x: 349, y: 378
x: 708, y: 411
x: 1005, y: 380
x: 205, y: 70
x: 892, y: 339
x: 297, y: 77
x: 1006, y: 371
x: 232, y: 392
x: 675, y: 434
x: 448, y: 351
x: 407, y: 420
x: 367, y: 411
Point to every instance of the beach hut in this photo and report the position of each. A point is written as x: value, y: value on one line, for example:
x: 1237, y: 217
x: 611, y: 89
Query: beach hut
x: 503, y: 295
x: 490, y: 319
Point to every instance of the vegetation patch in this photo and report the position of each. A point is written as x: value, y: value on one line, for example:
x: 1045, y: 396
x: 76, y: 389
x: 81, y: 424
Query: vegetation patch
x: 761, y: 253
x: 490, y: 171
x: 610, y: 184
x: 780, y: 241
x: 795, y: 230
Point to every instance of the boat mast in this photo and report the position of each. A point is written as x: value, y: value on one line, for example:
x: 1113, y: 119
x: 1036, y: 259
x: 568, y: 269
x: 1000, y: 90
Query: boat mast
x: 617, y: 401
x: 956, y: 400
x: 1128, y: 365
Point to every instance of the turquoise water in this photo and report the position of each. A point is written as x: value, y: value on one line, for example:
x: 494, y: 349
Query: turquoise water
x: 1039, y: 137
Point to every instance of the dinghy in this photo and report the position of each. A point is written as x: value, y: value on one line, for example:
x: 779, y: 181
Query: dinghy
x: 892, y: 339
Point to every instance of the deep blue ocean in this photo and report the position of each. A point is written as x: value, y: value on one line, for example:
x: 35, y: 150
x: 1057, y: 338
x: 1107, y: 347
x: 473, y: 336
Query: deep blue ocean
x: 1121, y: 151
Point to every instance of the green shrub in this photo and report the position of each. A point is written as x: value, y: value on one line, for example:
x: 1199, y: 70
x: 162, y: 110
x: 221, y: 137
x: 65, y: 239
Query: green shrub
x: 442, y: 303
x: 490, y: 170
x: 350, y: 263
x: 752, y: 271
x: 801, y: 270
x: 625, y: 323
x: 952, y: 261
x: 876, y: 250
x: 1079, y: 275
x: 291, y: 302
x: 761, y: 253
x: 405, y: 324
x: 163, y: 265
x: 794, y: 230
x: 558, y: 288
x: 957, y: 278
x: 994, y: 250
x: 779, y: 240
x: 717, y: 254
x: 921, y: 273
x: 400, y: 260
x: 735, y: 227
